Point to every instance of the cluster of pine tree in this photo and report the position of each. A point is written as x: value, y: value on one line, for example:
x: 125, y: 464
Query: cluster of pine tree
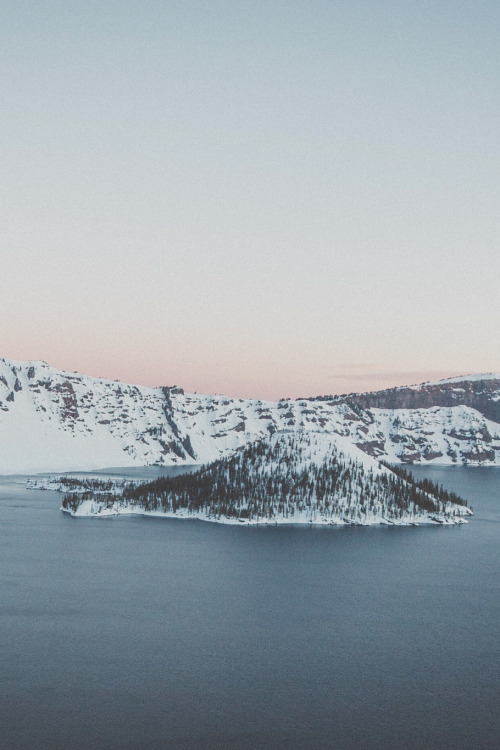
x: 428, y: 486
x: 279, y: 479
x: 89, y: 484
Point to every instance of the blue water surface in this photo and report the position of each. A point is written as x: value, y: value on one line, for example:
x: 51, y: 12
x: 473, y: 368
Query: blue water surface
x: 148, y: 633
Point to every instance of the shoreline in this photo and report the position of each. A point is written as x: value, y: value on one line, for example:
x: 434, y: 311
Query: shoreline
x: 281, y: 521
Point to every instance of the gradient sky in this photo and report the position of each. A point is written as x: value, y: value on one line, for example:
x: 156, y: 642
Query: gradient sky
x: 257, y: 198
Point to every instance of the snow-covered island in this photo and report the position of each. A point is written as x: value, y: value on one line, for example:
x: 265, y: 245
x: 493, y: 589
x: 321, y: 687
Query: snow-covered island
x: 290, y: 477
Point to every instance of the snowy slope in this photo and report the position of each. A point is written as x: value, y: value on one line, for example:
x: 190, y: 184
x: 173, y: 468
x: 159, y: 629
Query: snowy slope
x: 51, y: 420
x: 472, y: 378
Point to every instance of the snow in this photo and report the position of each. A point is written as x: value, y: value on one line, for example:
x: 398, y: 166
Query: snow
x: 55, y: 421
x: 475, y: 377
x: 90, y: 509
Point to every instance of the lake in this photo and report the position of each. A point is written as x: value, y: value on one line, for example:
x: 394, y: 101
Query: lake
x: 150, y: 633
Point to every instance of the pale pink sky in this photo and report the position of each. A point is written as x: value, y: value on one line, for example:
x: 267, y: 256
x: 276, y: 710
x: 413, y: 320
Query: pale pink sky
x: 259, y: 199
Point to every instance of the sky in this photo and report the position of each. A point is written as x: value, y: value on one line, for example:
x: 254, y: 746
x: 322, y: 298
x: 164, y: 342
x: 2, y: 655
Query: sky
x: 262, y: 198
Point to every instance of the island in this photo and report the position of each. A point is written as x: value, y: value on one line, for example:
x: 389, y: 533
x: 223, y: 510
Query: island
x: 299, y: 477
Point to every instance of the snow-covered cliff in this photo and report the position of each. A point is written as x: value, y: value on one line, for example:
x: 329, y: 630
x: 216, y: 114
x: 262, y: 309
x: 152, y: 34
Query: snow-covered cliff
x: 51, y: 420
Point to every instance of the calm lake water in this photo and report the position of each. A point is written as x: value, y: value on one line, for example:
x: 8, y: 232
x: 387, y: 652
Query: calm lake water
x: 152, y: 633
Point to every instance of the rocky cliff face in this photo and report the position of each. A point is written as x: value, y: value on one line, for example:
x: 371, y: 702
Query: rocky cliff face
x: 52, y: 420
x: 481, y: 394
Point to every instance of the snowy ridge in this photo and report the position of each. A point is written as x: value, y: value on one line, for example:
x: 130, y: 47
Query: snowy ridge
x: 472, y: 378
x: 51, y: 420
x: 293, y: 477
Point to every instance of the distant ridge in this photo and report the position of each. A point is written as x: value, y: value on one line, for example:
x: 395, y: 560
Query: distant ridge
x: 481, y: 392
x: 461, y: 379
x: 52, y: 420
x: 473, y: 377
